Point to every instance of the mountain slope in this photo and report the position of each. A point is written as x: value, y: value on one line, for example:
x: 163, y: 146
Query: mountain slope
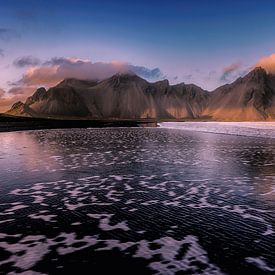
x: 249, y: 98
x: 120, y: 96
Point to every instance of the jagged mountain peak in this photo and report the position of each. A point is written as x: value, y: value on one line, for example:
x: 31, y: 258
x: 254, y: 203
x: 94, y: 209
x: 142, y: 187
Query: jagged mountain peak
x: 38, y: 95
x: 163, y: 83
x: 122, y: 79
x: 40, y: 92
x: 189, y: 86
x: 257, y: 74
x: 126, y: 76
x: 20, y: 109
x: 74, y: 82
x: 258, y: 70
x: 17, y: 104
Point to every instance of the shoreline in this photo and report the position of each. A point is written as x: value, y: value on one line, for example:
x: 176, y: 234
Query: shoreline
x: 256, y: 129
x: 16, y: 123
x: 12, y: 123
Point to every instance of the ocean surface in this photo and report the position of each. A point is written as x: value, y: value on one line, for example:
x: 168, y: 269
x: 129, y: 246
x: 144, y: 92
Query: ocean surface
x: 184, y: 198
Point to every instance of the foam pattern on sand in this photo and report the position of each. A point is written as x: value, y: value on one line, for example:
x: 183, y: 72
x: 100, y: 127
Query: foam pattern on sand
x: 156, y: 200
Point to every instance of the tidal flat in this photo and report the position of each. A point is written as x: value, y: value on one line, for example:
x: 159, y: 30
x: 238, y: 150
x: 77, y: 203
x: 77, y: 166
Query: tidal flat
x: 155, y: 200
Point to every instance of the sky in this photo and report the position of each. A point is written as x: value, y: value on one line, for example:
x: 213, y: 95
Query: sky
x: 208, y: 43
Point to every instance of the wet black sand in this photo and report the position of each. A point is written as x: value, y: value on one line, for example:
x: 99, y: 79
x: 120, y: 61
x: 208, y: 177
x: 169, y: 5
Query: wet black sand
x: 13, y: 123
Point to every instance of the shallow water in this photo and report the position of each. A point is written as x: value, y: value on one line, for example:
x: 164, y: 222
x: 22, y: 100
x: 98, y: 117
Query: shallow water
x: 250, y: 129
x: 153, y: 200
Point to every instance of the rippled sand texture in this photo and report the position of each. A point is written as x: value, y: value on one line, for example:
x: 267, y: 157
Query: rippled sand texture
x: 150, y: 200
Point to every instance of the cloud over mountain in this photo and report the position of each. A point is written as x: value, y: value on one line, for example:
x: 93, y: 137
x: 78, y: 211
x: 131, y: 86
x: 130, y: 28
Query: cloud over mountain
x: 230, y: 70
x: 55, y: 70
x: 268, y: 63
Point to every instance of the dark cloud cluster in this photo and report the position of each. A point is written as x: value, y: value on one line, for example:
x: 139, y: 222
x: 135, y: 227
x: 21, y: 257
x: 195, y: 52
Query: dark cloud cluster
x: 26, y: 61
x: 2, y: 52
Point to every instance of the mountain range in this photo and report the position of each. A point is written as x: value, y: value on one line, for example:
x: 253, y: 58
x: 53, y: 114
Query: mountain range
x: 127, y: 96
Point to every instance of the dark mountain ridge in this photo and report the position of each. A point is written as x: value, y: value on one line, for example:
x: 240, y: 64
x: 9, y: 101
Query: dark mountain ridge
x: 127, y: 96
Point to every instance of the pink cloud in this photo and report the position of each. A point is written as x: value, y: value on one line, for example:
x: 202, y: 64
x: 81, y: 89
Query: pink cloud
x: 57, y: 69
x: 231, y: 68
x: 232, y: 71
x: 268, y: 63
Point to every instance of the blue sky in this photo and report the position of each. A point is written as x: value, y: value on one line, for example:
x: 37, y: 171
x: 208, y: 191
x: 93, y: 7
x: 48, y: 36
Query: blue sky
x: 188, y: 40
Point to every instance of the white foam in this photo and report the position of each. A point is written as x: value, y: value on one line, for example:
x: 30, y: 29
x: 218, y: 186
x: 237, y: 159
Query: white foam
x: 104, y: 222
x: 260, y: 263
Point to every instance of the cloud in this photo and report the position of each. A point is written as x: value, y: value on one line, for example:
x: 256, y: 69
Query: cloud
x: 154, y: 74
x: 26, y: 61
x: 58, y: 61
x: 229, y: 70
x: 21, y: 90
x: 268, y: 63
x: 55, y: 70
x: 2, y: 93
x: 2, y: 53
x: 8, y: 34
